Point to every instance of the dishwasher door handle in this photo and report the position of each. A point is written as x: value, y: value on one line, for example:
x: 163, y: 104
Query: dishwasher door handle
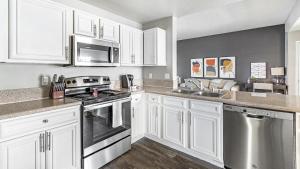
x: 255, y: 116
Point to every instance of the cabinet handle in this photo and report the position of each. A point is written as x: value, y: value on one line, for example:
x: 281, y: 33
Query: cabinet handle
x: 45, y: 121
x: 190, y: 119
x: 95, y: 30
x: 133, y: 112
x: 48, y: 141
x: 67, y: 52
x: 182, y: 117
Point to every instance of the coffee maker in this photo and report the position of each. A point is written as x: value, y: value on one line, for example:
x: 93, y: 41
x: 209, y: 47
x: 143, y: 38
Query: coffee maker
x: 127, y: 81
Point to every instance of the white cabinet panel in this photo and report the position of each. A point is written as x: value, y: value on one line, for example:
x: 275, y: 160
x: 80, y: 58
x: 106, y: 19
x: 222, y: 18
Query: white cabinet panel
x: 154, y: 120
x: 85, y: 24
x: 3, y: 30
x: 63, y: 147
x: 131, y: 46
x: 109, y: 30
x: 38, y: 31
x: 22, y: 153
x: 155, y: 47
x: 205, y: 134
x: 138, y: 117
x: 173, y: 122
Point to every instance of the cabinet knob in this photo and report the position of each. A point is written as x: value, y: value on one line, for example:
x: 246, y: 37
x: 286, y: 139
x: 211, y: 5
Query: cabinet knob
x: 45, y: 121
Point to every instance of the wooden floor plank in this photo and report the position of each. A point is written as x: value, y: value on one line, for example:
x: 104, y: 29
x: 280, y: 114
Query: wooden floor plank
x: 147, y: 154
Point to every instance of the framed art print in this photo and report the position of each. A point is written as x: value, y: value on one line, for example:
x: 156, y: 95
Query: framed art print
x: 211, y: 67
x: 259, y: 70
x: 197, y: 67
x: 227, y: 67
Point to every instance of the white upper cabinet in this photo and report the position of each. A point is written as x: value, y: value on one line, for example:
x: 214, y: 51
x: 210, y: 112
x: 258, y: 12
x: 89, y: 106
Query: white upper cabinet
x: 131, y: 46
x: 155, y: 47
x: 38, y: 32
x: 3, y: 30
x: 85, y: 24
x: 109, y: 30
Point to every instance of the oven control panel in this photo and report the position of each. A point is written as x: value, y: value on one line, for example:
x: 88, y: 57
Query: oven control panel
x: 86, y: 81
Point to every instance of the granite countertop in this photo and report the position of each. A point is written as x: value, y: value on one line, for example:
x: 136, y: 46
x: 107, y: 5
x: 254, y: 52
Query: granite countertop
x: 17, y: 109
x: 269, y: 101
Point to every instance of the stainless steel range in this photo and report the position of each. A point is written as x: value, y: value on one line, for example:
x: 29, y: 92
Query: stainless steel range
x: 105, y: 119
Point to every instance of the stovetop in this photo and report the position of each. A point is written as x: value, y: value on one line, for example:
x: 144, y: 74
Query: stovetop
x: 103, y: 96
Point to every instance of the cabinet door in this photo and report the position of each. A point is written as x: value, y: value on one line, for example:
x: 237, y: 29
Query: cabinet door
x: 22, y: 153
x: 150, y: 47
x: 126, y: 45
x: 85, y: 24
x: 109, y: 30
x: 63, y: 147
x: 138, y: 118
x: 173, y: 125
x: 3, y: 30
x: 38, y: 31
x: 138, y: 48
x: 205, y: 134
x: 154, y: 119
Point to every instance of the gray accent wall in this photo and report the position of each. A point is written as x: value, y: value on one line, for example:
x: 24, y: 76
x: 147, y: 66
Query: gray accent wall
x: 256, y: 45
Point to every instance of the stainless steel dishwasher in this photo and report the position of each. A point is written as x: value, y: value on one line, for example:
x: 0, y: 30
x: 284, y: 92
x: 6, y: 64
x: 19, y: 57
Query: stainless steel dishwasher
x: 258, y: 139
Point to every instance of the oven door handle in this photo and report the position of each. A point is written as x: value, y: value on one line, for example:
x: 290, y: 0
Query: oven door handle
x: 89, y: 108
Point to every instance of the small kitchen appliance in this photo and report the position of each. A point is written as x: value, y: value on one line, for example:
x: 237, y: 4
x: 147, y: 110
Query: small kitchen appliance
x: 105, y: 119
x: 127, y: 81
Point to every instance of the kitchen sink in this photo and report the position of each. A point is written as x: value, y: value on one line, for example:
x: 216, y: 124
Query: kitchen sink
x: 208, y: 94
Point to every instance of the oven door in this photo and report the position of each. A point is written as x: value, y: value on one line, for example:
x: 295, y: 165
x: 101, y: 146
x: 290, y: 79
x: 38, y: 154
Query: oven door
x: 93, y: 52
x: 105, y: 124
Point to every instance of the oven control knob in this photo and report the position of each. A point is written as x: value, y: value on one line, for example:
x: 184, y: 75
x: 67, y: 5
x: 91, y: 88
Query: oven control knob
x: 68, y: 82
x: 73, y: 81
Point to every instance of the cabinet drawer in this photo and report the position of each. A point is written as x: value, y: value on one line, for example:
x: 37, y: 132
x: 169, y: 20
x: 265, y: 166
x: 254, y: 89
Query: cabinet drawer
x: 154, y: 98
x: 206, y: 106
x: 175, y: 102
x: 22, y: 126
x: 136, y: 98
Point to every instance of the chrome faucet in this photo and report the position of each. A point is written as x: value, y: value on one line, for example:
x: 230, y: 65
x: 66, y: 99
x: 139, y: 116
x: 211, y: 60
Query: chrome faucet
x: 199, y: 87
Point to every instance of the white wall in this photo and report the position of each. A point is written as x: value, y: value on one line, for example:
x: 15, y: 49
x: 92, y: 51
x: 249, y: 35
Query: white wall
x: 170, y: 25
x: 15, y: 76
x: 292, y: 66
x: 293, y: 21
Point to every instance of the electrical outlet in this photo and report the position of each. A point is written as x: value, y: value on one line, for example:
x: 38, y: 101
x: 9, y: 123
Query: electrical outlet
x: 167, y: 75
x: 44, y: 80
x: 150, y: 75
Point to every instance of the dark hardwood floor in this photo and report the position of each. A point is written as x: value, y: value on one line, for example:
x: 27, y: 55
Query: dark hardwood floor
x: 147, y: 154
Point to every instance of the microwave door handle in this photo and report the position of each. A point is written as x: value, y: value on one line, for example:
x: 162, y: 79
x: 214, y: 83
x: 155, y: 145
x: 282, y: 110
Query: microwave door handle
x: 112, y: 54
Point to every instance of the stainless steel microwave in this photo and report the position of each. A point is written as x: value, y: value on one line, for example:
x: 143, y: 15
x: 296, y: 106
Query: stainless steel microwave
x: 93, y: 52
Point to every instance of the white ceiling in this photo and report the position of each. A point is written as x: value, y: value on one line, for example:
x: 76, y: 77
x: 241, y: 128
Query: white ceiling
x: 198, y: 18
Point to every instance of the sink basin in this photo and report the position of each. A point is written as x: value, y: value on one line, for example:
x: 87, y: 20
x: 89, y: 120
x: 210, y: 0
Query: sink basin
x: 208, y: 94
x: 183, y: 91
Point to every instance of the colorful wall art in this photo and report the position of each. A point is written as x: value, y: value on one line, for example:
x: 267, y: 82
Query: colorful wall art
x: 227, y: 67
x: 197, y: 67
x: 211, y: 67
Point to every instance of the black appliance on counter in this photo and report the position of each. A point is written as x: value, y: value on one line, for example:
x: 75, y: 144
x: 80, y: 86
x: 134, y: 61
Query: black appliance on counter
x: 105, y: 119
x: 127, y: 81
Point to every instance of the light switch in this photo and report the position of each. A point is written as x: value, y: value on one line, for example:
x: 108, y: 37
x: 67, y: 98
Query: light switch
x: 44, y: 80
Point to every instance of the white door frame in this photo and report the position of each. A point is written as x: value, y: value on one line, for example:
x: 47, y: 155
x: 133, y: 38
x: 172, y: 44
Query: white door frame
x: 297, y: 68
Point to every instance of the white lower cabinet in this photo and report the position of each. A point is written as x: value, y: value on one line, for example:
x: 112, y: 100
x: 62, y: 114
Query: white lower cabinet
x: 191, y: 126
x: 62, y: 147
x: 154, y: 122
x: 205, y: 134
x: 137, y: 117
x: 21, y: 153
x: 54, y: 146
x: 173, y: 125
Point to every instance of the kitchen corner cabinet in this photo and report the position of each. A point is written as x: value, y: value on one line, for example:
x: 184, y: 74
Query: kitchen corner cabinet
x: 39, y: 32
x: 155, y: 47
x: 85, y: 24
x: 3, y: 30
x: 109, y: 30
x: 137, y: 117
x: 131, y: 40
x: 49, y: 140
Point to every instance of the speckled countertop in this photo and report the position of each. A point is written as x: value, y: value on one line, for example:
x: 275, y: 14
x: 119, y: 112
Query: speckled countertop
x: 269, y: 101
x: 17, y: 109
